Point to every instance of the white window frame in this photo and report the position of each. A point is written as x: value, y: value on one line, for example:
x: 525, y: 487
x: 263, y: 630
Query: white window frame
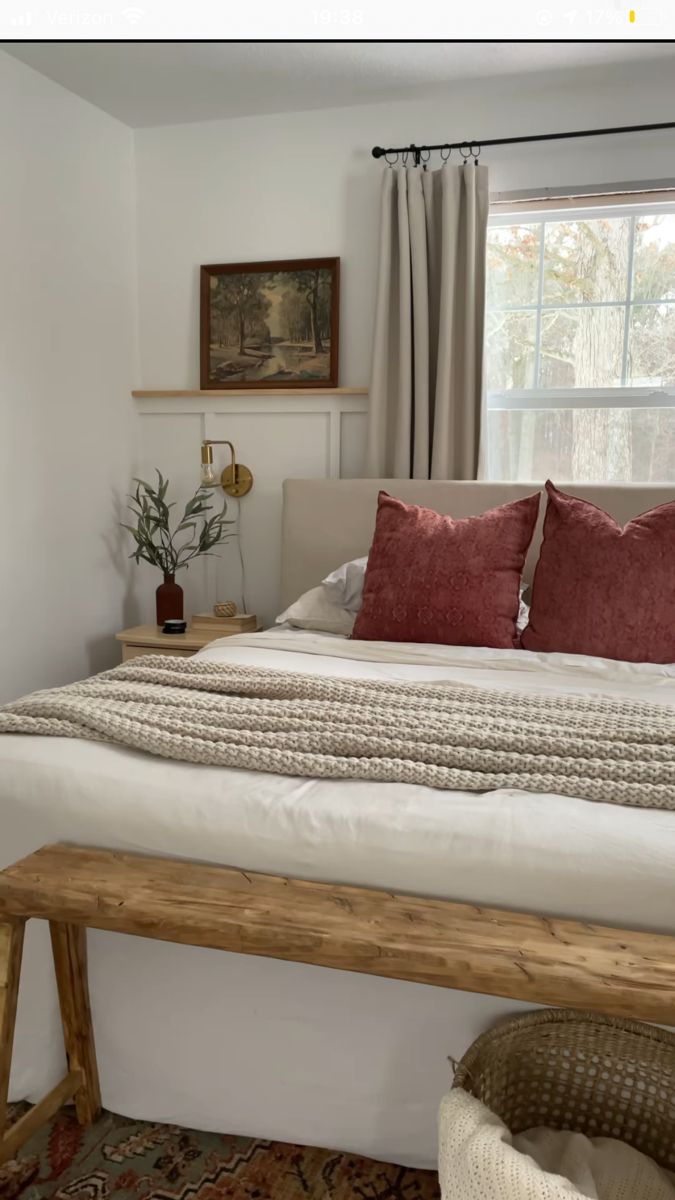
x: 571, y: 398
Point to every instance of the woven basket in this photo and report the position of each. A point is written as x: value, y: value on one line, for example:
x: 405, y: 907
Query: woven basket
x: 600, y: 1076
x: 224, y: 608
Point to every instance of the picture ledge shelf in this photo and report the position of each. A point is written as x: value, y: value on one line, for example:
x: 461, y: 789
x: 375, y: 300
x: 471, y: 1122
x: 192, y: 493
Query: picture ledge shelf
x: 145, y: 393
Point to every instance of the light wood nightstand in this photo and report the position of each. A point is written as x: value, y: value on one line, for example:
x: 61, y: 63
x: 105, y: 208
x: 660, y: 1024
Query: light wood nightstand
x: 149, y: 639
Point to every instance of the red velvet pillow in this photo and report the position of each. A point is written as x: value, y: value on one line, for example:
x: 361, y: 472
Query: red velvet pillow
x: 602, y: 590
x: 435, y: 579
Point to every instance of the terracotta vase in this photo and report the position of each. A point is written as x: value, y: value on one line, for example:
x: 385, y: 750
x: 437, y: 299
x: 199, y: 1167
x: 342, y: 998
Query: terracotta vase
x: 169, y: 596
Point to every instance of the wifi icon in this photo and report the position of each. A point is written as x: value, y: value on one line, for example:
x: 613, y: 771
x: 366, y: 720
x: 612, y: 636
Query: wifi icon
x: 133, y: 15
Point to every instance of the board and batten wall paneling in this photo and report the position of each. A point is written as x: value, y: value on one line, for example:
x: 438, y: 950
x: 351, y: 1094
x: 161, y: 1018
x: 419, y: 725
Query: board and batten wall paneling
x: 353, y: 428
x: 278, y: 437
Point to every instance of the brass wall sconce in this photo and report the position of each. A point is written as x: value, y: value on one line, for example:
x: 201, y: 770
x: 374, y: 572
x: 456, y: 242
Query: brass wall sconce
x: 235, y: 480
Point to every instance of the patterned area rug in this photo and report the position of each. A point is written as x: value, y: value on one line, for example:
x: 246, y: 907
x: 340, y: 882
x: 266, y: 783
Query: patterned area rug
x: 135, y: 1160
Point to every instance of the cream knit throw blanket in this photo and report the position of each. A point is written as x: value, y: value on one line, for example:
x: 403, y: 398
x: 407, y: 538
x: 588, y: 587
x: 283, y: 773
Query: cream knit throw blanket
x: 442, y: 735
x: 479, y: 1159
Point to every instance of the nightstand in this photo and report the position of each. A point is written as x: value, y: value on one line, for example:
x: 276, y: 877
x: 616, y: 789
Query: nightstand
x: 149, y: 639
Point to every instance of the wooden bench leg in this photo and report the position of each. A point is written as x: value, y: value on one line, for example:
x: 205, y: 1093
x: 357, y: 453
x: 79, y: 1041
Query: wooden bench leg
x: 81, y: 1080
x: 69, y: 945
x: 11, y: 950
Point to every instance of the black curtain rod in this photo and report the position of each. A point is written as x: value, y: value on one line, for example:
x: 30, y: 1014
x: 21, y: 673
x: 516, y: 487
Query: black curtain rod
x: 475, y: 145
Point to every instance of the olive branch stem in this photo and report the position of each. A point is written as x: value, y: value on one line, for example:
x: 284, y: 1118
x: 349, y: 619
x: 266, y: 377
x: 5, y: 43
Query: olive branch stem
x: 160, y: 546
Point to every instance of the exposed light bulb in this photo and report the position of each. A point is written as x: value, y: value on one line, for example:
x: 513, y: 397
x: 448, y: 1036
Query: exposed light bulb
x: 208, y: 475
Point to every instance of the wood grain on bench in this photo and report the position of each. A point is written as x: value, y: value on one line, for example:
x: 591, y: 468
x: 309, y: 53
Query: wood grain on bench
x: 475, y: 949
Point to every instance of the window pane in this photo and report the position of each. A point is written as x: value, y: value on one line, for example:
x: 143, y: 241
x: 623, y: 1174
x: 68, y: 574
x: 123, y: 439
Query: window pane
x: 581, y: 347
x: 510, y: 340
x: 512, y: 264
x: 586, y: 260
x: 626, y: 445
x: 654, y: 261
x: 651, y: 345
x: 529, y: 445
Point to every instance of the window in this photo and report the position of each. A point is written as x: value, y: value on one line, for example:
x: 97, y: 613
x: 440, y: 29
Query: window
x: 580, y: 344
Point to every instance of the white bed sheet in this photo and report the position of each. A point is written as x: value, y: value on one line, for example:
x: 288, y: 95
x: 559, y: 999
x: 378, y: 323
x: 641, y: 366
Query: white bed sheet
x: 284, y: 1050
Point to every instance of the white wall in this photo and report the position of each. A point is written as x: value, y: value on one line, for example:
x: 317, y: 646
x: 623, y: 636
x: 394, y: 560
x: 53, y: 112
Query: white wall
x: 67, y: 362
x: 305, y: 184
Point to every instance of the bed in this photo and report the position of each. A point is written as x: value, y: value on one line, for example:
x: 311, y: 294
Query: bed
x: 293, y: 1052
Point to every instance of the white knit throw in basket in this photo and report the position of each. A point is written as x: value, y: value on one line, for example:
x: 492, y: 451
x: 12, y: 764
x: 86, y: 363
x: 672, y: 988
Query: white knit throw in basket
x: 557, y: 1105
x: 479, y: 1159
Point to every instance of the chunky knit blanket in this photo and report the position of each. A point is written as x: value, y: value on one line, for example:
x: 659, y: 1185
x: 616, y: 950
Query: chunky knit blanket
x: 442, y: 735
x: 480, y: 1159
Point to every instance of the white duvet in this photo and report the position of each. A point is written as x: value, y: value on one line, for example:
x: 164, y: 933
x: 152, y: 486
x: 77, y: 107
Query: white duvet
x: 284, y: 1050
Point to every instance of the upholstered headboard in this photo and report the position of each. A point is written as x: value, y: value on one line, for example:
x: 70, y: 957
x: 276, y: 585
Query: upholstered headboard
x: 328, y: 521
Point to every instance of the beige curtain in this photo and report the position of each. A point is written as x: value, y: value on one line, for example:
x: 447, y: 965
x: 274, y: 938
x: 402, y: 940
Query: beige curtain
x: 426, y: 388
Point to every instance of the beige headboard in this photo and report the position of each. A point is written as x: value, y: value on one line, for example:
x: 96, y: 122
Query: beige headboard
x: 328, y: 521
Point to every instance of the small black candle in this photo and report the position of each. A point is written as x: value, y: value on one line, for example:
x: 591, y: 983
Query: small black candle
x: 174, y: 626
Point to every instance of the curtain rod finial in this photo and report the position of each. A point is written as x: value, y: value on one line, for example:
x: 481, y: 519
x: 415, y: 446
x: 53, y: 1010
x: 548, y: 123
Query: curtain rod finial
x: 378, y: 151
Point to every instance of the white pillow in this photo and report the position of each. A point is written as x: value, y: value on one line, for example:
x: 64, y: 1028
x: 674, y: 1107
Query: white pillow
x: 345, y: 584
x: 523, y: 612
x: 316, y: 610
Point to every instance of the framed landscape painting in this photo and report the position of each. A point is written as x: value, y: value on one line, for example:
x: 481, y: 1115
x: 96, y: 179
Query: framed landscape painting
x: 270, y: 324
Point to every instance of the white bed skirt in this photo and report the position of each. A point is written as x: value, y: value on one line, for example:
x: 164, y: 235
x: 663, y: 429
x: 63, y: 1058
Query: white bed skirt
x: 268, y: 1049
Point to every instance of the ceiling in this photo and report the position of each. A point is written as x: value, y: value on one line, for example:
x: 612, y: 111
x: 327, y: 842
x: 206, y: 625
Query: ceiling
x: 167, y: 83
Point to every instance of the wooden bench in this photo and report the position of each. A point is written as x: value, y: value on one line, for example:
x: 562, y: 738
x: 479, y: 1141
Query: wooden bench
x: 438, y: 942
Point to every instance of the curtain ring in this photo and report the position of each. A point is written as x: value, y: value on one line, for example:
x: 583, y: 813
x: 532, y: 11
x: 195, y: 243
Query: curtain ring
x: 424, y: 160
x: 445, y: 157
x: 465, y: 146
x: 475, y: 150
x: 404, y: 158
x: 392, y: 162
